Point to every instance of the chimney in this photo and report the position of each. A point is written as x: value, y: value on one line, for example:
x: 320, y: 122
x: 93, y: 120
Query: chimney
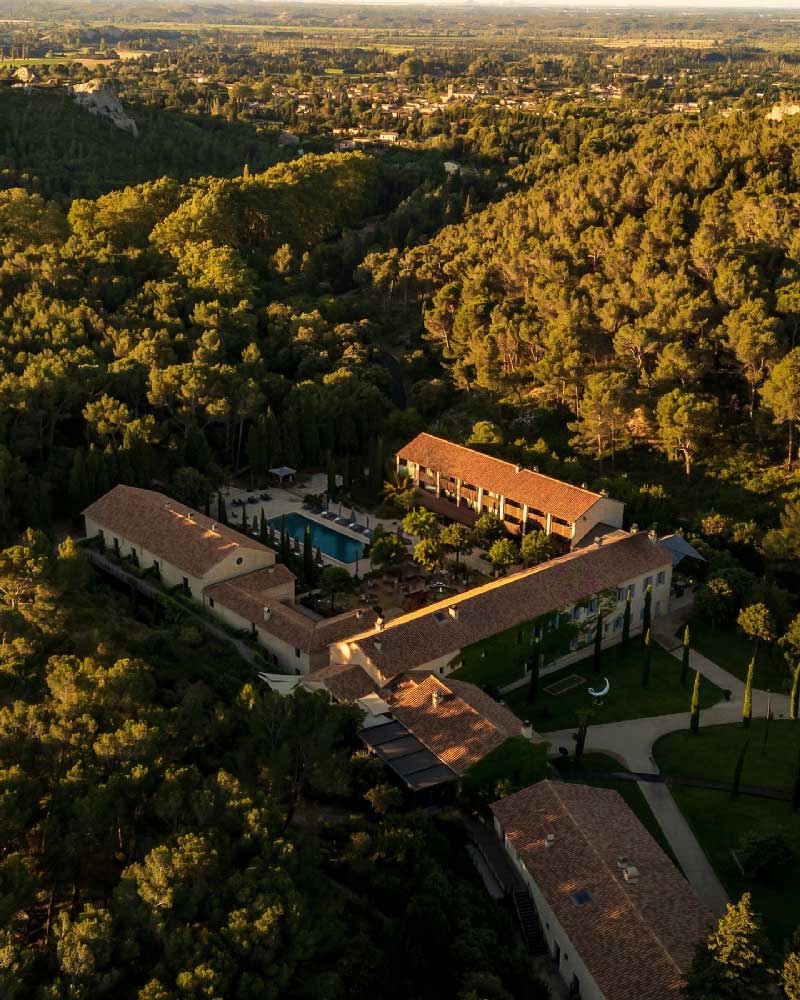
x: 379, y: 622
x: 584, y: 486
x: 549, y: 840
x: 453, y: 612
x: 436, y: 698
x: 267, y: 613
x: 634, y: 528
x: 652, y: 536
x: 517, y: 468
x: 527, y: 729
x: 598, y: 541
x: 378, y: 645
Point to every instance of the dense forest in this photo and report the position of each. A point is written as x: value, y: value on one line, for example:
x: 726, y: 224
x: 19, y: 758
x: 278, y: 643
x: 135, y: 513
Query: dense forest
x: 170, y: 831
x: 560, y: 268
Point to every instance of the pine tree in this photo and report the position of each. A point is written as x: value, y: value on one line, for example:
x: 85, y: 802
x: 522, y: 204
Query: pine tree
x: 308, y: 557
x: 733, y: 963
x: 694, y: 718
x: 598, y: 643
x: 794, y: 697
x: 737, y: 771
x: 626, y: 623
x: 747, y: 707
x: 648, y: 653
x: 685, y: 657
x: 790, y: 975
x: 647, y: 610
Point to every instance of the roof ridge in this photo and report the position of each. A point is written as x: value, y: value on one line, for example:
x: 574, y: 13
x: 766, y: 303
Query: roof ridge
x: 505, y: 461
x: 607, y: 867
x: 483, y: 588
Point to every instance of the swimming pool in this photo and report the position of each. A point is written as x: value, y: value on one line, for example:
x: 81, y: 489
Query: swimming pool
x: 324, y: 537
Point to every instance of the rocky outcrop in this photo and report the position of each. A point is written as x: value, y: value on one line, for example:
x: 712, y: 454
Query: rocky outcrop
x: 100, y: 100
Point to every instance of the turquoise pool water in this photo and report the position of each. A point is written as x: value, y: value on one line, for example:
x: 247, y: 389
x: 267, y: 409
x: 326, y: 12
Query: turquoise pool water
x: 323, y: 537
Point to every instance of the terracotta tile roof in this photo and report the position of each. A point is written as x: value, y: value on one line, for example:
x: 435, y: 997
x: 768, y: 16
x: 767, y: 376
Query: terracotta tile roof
x: 460, y: 728
x: 417, y: 638
x: 636, y: 940
x: 248, y: 595
x: 344, y: 682
x: 170, y: 530
x: 543, y: 493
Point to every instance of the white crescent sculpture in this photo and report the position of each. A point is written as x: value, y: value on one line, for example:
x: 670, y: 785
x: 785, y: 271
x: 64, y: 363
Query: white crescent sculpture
x: 604, y: 692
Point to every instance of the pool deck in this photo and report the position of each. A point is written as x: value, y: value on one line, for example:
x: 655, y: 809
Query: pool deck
x: 290, y: 501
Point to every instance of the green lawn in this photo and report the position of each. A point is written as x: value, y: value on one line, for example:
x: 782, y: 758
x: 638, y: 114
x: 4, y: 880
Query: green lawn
x: 720, y: 822
x: 712, y: 753
x: 627, y: 699
x: 726, y: 646
x: 629, y: 790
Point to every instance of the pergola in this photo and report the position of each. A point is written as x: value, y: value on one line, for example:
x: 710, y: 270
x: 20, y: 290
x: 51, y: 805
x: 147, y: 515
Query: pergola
x: 282, y: 472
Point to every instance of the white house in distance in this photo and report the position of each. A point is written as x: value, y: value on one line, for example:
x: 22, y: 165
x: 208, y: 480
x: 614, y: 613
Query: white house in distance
x: 620, y: 921
x: 442, y: 636
x: 461, y: 484
x: 234, y: 576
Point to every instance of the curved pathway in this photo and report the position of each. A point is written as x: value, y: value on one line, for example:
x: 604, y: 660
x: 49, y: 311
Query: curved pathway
x: 632, y: 741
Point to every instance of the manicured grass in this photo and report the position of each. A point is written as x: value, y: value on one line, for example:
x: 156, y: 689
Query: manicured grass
x: 712, y: 753
x: 726, y: 646
x: 627, y: 698
x: 517, y: 760
x: 720, y: 823
x: 629, y: 790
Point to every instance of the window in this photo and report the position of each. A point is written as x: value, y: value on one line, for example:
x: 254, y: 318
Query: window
x: 239, y: 560
x: 133, y: 552
x: 116, y: 545
x: 620, y: 594
x: 185, y: 582
x: 592, y: 605
x: 211, y: 602
x: 617, y: 623
x: 297, y: 652
x: 648, y: 582
x: 576, y: 613
x: 580, y: 898
x: 661, y: 576
x: 632, y: 589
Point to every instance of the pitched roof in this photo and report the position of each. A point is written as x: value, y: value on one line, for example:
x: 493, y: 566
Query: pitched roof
x: 170, y: 530
x: 248, y: 596
x: 417, y: 638
x: 345, y: 683
x: 636, y: 939
x: 542, y: 493
x: 454, y: 719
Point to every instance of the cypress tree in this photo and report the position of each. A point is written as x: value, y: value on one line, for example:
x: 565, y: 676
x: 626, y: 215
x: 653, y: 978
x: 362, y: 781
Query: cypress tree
x: 535, y: 662
x: 694, y: 718
x: 647, y: 610
x: 308, y: 557
x: 583, y: 729
x: 794, y: 697
x: 685, y: 657
x: 626, y: 623
x: 331, y: 473
x: 598, y: 643
x: 285, y: 551
x: 737, y: 771
x: 207, y: 507
x: 648, y: 653
x: 747, y: 707
x: 263, y: 528
x: 222, y: 510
